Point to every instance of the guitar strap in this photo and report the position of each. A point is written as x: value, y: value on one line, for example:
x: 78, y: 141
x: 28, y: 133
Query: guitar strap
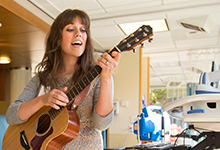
x: 78, y: 99
x: 81, y: 96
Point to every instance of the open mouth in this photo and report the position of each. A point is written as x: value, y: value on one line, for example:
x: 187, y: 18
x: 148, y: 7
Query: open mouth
x: 76, y: 43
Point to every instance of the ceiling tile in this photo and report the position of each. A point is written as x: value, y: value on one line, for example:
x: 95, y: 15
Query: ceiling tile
x: 106, y: 31
x: 102, y: 23
x: 197, y: 42
x: 115, y: 5
x: 47, y: 6
x: 108, y: 45
x: 91, y: 6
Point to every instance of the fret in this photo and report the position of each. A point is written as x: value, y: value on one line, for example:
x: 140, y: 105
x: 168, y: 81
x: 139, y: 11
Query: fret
x: 97, y: 73
x: 86, y: 80
x: 98, y: 68
x: 89, y: 76
x: 52, y: 114
x: 78, y: 87
x: 75, y: 91
x: 81, y: 84
x: 69, y: 95
x: 56, y: 112
x: 94, y: 72
x: 91, y: 72
x: 82, y: 80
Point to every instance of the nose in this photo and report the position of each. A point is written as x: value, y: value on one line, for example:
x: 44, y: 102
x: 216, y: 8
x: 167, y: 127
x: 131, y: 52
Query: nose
x: 78, y: 33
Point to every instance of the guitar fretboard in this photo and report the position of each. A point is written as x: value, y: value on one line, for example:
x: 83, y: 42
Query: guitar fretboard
x: 78, y: 88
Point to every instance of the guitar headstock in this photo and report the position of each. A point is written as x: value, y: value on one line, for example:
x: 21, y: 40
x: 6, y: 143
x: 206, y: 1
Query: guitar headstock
x: 140, y: 35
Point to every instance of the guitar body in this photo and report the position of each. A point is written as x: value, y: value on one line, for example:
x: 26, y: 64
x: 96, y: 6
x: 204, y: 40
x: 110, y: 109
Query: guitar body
x: 41, y: 132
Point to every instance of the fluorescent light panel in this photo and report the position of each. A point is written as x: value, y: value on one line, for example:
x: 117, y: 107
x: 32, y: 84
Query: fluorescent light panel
x: 159, y: 25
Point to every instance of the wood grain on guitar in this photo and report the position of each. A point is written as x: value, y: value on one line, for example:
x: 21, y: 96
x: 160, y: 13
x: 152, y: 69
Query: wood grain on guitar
x: 50, y: 129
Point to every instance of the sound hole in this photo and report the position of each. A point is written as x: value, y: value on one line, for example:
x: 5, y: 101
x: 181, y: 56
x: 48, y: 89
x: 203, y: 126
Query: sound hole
x: 43, y: 123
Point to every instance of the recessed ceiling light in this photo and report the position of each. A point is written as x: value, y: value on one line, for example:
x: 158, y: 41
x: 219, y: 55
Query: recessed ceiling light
x: 0, y: 25
x: 159, y: 25
x: 4, y: 60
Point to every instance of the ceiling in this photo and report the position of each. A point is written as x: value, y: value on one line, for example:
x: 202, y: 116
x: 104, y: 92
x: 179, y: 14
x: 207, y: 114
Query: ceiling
x: 20, y: 40
x: 178, y: 55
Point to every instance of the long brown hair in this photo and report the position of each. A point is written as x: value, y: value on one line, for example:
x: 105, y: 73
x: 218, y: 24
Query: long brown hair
x: 52, y: 60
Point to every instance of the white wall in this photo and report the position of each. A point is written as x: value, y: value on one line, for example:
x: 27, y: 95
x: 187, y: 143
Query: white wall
x: 126, y: 83
x: 18, y: 80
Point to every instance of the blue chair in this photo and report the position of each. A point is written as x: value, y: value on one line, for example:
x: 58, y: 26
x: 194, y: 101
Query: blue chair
x: 3, y: 127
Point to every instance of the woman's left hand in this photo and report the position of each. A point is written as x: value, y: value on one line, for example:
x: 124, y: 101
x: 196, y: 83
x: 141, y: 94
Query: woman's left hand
x: 108, y: 64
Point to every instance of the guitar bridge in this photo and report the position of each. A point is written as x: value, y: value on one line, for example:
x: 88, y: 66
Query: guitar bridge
x: 23, y: 141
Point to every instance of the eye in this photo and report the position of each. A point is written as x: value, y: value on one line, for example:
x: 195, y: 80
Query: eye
x: 69, y: 30
x: 83, y: 30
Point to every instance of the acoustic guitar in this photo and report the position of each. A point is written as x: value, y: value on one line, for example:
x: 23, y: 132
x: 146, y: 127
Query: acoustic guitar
x: 51, y: 129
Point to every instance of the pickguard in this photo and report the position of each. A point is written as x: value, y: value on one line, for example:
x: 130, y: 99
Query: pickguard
x: 37, y: 141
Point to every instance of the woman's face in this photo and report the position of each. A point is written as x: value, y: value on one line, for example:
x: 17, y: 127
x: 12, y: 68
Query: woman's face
x: 73, y: 40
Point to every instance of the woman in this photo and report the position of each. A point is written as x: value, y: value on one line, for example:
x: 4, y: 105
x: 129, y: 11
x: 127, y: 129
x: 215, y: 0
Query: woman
x: 69, y: 56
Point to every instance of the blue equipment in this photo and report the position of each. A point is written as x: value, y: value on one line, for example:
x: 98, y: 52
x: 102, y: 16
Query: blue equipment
x: 150, y: 124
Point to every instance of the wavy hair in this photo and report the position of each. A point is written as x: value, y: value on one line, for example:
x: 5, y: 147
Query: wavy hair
x: 52, y: 59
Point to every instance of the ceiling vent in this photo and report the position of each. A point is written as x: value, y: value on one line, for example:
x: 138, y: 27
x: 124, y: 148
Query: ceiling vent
x: 174, y: 84
x: 201, y: 23
x: 195, y: 70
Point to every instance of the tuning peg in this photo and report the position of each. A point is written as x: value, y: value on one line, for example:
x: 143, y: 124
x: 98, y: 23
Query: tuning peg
x: 146, y: 29
x: 136, y: 40
x: 128, y: 45
x: 124, y: 40
x: 134, y: 50
x: 142, y: 45
x: 150, y: 40
x: 139, y: 29
x: 144, y: 34
x: 131, y: 35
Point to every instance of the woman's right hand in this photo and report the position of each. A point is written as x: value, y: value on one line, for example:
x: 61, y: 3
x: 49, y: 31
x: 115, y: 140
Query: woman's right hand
x: 56, y: 98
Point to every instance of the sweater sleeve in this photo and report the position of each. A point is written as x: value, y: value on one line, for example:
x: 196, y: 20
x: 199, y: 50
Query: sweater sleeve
x: 102, y: 123
x: 28, y: 93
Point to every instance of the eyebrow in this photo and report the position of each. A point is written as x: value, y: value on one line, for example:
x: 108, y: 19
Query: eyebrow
x: 73, y: 24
